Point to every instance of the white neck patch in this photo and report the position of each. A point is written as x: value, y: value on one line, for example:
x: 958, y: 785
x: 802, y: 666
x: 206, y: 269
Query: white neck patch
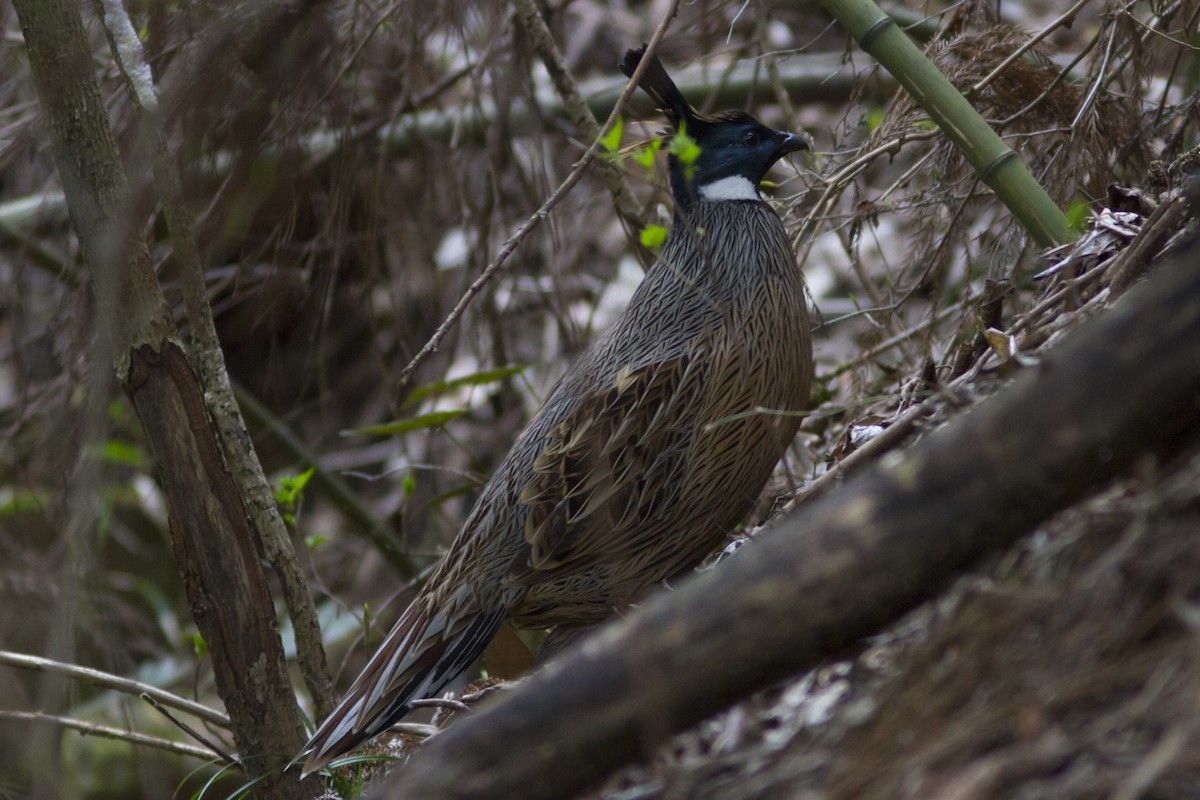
x: 734, y: 187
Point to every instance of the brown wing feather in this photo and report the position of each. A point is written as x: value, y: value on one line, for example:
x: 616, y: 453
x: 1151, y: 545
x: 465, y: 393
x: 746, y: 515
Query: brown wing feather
x: 423, y: 651
x: 587, y: 487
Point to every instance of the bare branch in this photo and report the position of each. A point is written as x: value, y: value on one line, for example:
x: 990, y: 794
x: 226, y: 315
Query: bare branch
x: 93, y: 729
x: 114, y: 682
x: 430, y: 347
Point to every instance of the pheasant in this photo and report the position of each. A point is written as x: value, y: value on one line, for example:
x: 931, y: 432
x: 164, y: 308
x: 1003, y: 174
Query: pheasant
x: 652, y: 446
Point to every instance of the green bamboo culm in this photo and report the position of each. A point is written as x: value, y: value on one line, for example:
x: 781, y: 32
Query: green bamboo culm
x: 994, y: 161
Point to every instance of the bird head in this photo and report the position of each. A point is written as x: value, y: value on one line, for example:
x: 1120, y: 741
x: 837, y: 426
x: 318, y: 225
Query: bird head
x: 735, y: 153
x: 733, y: 150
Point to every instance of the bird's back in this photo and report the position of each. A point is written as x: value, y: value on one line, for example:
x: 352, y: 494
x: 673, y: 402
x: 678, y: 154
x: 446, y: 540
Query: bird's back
x: 660, y: 437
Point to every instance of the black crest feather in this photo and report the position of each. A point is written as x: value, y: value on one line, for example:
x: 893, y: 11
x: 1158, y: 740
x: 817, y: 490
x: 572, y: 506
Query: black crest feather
x: 662, y: 90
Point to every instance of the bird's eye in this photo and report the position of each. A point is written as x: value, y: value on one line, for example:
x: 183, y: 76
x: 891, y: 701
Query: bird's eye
x: 750, y: 138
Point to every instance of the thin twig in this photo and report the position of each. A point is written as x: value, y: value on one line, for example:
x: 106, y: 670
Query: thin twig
x: 189, y: 730
x: 377, y: 530
x: 900, y: 338
x: 632, y: 218
x: 352, y: 59
x: 1059, y: 78
x: 1066, y: 18
x: 1134, y: 259
x: 420, y: 729
x: 892, y: 436
x: 92, y: 729
x: 1101, y: 79
x: 1166, y: 752
x: 444, y: 703
x: 109, y: 681
x: 430, y: 347
x: 804, y: 239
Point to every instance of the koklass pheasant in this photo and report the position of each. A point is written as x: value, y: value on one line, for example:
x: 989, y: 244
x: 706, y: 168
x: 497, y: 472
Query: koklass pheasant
x: 647, y: 452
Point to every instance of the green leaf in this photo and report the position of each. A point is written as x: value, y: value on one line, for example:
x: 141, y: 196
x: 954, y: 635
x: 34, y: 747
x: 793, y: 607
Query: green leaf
x: 645, y: 155
x: 433, y: 419
x: 291, y: 487
x: 313, y: 542
x: 874, y: 118
x: 436, y: 419
x: 475, y: 379
x: 1078, y: 214
x: 611, y: 141
x: 302, y: 479
x: 117, y: 411
x: 652, y: 235
x: 288, y: 493
x: 684, y: 147
x: 115, y: 451
x: 15, y: 501
x: 409, y: 485
x: 199, y: 646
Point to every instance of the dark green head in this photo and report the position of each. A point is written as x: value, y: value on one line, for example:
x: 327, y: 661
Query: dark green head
x: 735, y: 149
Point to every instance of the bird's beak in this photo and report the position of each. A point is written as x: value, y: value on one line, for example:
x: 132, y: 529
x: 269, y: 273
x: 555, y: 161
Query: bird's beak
x: 792, y: 144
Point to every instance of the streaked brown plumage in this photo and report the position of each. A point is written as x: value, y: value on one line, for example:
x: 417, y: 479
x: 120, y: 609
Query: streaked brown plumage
x: 647, y: 452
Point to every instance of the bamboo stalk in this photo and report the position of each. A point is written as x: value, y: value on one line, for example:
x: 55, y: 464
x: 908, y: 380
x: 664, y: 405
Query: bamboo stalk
x: 994, y: 161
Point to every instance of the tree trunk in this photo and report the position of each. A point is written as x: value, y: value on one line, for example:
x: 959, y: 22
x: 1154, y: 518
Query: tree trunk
x: 217, y: 553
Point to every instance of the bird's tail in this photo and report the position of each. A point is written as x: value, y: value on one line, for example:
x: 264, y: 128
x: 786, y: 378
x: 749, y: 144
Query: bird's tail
x: 662, y: 90
x: 424, y: 651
